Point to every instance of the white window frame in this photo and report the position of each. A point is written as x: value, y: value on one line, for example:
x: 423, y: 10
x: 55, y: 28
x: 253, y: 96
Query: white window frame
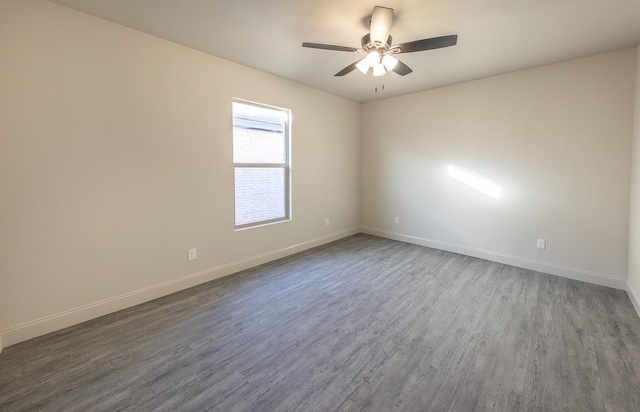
x: 285, y: 166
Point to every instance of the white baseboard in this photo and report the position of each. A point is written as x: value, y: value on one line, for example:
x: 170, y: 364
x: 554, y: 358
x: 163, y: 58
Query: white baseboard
x: 72, y: 317
x: 634, y: 295
x: 550, y: 268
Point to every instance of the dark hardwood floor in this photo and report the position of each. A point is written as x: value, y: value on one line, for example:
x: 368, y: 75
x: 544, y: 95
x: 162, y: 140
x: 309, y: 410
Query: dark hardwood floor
x: 363, y: 323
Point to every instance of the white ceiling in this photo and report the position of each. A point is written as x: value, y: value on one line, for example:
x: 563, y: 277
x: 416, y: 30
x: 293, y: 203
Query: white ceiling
x: 494, y: 36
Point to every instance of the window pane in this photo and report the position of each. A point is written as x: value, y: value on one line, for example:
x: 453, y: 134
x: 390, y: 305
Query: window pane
x: 258, y: 146
x: 260, y: 194
x: 258, y: 134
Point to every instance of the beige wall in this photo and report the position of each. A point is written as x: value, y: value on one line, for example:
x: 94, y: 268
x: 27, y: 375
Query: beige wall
x: 116, y: 159
x: 633, y: 281
x: 556, y: 138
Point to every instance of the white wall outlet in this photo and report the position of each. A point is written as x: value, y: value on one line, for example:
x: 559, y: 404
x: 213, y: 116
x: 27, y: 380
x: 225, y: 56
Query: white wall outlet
x: 191, y: 254
x: 397, y: 220
x: 542, y: 244
x: 326, y: 222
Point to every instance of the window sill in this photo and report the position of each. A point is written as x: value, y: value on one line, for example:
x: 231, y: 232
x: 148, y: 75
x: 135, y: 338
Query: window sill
x: 275, y: 222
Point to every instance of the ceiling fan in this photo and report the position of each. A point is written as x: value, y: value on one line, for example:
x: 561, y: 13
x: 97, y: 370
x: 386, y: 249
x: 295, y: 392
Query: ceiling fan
x: 379, y: 48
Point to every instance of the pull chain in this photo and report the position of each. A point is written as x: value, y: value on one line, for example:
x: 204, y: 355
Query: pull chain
x: 380, y: 81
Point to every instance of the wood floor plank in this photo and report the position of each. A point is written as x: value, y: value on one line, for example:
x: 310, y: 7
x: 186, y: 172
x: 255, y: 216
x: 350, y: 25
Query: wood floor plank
x: 361, y: 324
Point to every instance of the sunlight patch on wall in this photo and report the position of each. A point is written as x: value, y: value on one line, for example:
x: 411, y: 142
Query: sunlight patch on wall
x: 476, y: 181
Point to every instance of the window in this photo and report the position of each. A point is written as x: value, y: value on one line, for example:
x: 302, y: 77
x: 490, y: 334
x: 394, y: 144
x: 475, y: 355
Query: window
x: 261, y: 164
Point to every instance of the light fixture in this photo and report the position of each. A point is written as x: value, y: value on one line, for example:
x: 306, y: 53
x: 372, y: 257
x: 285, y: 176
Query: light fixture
x: 363, y: 65
x: 379, y: 62
x: 373, y: 58
x: 378, y: 70
x: 389, y: 62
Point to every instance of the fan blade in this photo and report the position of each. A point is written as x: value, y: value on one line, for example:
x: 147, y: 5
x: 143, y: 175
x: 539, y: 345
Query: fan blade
x: 348, y: 69
x: 330, y: 47
x: 426, y: 44
x: 402, y: 69
x: 380, y: 27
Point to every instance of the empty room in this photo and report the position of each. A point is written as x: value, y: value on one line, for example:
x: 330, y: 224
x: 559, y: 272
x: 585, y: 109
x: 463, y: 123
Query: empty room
x: 418, y: 205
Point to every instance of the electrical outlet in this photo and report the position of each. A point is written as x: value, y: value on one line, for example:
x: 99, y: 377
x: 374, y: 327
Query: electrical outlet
x: 326, y: 222
x: 542, y: 244
x: 397, y: 220
x: 191, y: 254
